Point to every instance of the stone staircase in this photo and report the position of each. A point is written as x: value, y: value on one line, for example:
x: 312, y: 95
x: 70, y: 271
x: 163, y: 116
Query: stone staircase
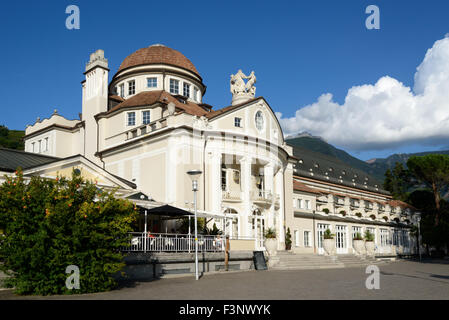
x: 290, y: 261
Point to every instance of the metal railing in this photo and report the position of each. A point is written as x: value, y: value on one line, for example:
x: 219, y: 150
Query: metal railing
x: 231, y: 194
x: 262, y: 196
x: 165, y: 242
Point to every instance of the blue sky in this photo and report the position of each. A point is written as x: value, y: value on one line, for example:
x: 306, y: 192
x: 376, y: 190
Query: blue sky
x: 298, y: 49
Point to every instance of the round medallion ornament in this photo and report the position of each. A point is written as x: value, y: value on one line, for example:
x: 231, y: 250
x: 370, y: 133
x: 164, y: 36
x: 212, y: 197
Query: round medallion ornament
x: 259, y: 120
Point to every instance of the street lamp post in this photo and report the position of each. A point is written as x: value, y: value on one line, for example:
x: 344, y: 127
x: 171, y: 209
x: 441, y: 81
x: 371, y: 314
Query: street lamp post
x: 194, y: 175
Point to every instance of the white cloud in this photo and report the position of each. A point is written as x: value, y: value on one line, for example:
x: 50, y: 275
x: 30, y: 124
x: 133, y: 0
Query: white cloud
x: 387, y: 114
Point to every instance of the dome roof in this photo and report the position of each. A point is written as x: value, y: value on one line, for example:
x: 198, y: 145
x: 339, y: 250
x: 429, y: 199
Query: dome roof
x: 158, y: 54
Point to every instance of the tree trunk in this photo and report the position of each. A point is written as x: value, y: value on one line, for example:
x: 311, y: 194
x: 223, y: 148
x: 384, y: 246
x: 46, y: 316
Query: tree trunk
x: 437, y: 204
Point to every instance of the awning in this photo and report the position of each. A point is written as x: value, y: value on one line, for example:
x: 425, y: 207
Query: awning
x: 169, y: 211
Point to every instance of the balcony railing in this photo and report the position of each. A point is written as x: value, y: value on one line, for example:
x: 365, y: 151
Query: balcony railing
x: 265, y: 196
x: 231, y: 195
x: 158, y: 242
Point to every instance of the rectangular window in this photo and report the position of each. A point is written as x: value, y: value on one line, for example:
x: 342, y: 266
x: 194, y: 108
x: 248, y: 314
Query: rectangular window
x: 40, y: 146
x: 238, y: 122
x: 131, y: 118
x: 236, y: 176
x: 306, y: 238
x: 174, y: 86
x: 195, y: 94
x: 152, y: 82
x: 308, y: 205
x: 131, y: 87
x: 186, y: 91
x: 146, y: 117
x: 46, y: 144
x: 223, y: 180
x: 122, y: 90
x: 296, y: 238
x: 301, y: 204
x: 33, y: 147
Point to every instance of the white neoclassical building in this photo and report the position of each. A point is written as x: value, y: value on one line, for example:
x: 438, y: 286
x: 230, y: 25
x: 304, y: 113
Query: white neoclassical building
x: 148, y: 126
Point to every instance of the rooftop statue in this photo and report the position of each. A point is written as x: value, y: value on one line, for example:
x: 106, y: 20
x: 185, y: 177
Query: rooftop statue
x: 240, y: 90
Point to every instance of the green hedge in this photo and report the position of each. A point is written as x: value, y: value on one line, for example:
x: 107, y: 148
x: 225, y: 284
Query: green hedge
x: 51, y: 224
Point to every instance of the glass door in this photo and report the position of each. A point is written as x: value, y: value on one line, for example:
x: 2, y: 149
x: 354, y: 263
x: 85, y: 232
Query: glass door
x: 341, y: 241
x: 384, y: 241
x: 321, y: 228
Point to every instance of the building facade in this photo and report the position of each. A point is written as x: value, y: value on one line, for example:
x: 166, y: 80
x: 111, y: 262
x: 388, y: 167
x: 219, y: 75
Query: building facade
x: 148, y: 126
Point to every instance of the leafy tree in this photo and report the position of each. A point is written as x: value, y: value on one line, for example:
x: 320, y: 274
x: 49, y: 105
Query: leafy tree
x: 397, y: 181
x: 3, y: 131
x: 51, y: 224
x: 433, y: 171
x: 432, y: 235
x: 183, y: 225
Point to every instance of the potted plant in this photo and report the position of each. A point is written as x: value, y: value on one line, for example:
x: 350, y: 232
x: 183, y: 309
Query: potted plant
x: 369, y: 243
x: 343, y: 212
x: 270, y: 242
x: 326, y: 210
x: 358, y: 214
x: 328, y: 242
x: 288, y: 240
x: 358, y: 244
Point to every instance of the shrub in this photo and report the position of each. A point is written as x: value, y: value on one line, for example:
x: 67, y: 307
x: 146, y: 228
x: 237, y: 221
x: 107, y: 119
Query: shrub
x: 270, y: 234
x: 326, y: 210
x: 358, y: 236
x: 328, y: 234
x: 288, y: 240
x: 358, y: 214
x: 343, y: 212
x: 369, y: 236
x: 51, y: 224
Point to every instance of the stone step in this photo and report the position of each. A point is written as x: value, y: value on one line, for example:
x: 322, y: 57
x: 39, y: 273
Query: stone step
x: 292, y: 261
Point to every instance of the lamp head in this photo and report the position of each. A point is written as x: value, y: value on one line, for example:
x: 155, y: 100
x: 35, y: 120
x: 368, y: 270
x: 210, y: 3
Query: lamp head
x: 194, y: 174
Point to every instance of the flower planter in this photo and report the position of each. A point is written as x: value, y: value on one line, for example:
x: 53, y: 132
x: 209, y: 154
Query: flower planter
x: 329, y: 246
x: 271, y: 246
x: 359, y: 247
x: 369, y: 246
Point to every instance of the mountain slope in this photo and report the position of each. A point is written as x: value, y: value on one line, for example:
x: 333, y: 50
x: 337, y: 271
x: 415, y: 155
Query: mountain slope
x: 318, y: 145
x: 12, y: 139
x: 375, y: 167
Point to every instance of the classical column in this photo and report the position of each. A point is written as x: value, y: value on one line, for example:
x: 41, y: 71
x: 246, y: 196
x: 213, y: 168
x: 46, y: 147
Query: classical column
x: 285, y: 171
x: 269, y: 189
x: 215, y: 183
x: 245, y: 169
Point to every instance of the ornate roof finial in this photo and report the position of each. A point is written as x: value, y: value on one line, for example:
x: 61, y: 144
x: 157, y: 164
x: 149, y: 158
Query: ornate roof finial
x: 240, y: 90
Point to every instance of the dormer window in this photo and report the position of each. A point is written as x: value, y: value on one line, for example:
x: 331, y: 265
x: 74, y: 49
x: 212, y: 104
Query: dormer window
x: 131, y: 88
x: 152, y: 82
x: 122, y: 90
x: 196, y: 94
x: 186, y: 90
x: 174, y: 86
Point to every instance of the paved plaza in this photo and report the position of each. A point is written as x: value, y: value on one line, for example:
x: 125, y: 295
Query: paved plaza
x: 398, y: 280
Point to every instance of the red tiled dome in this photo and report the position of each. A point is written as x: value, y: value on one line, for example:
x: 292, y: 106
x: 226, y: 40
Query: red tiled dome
x: 158, y: 54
